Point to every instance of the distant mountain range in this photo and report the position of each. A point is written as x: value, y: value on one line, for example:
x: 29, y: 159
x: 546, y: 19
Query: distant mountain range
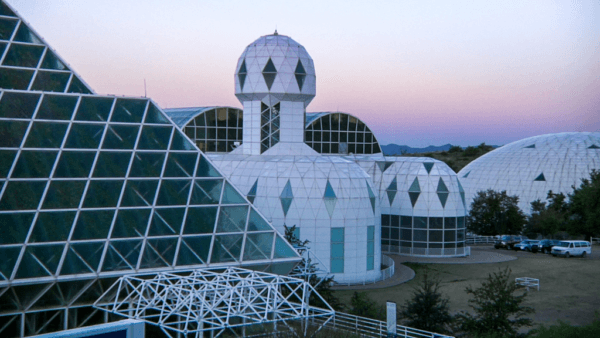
x: 394, y: 149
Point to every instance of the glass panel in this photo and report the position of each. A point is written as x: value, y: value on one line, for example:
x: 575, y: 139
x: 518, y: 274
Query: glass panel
x: 232, y: 219
x: 51, y: 61
x: 34, y: 164
x: 74, y: 164
x: 174, y: 192
x: 450, y: 222
x: 12, y: 133
x: 337, y: 235
x: 226, y: 248
x: 93, y: 224
x: 40, y: 261
x: 406, y: 221
x: 155, y: 116
x: 258, y: 246
x: 77, y: 86
x: 435, y: 235
x: 460, y: 222
x: 394, y: 233
x: 6, y: 160
x: 337, y: 265
x: 94, y: 108
x: 406, y: 234
x: 436, y: 222
x: 181, y: 165
x: 103, y: 194
x: 18, y: 105
x: 460, y: 235
x: 84, y: 136
x: 120, y: 137
x: 51, y: 81
x: 52, y: 227
x: 147, y: 165
x: 395, y: 221
x: 64, y: 194
x: 257, y: 223
x: 194, y: 250
x: 205, y: 169
x: 159, y: 252
x: 231, y: 196
x: 155, y: 138
x: 180, y: 142
x: 283, y: 249
x: 449, y: 236
x: 122, y: 255
x: 15, y: 78
x: 420, y: 222
x: 131, y: 223
x: 420, y: 235
x: 139, y: 193
x: 46, y: 135
x: 22, y: 195
x: 200, y: 220
x: 82, y: 258
x: 14, y: 227
x: 385, y: 220
x: 7, y: 264
x: 24, y: 34
x: 129, y: 110
x: 112, y: 164
x: 206, y: 192
x: 23, y: 55
x: 7, y: 27
x: 166, y: 222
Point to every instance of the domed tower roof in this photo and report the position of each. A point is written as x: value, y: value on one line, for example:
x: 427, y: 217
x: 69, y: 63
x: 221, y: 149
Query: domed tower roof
x: 275, y: 68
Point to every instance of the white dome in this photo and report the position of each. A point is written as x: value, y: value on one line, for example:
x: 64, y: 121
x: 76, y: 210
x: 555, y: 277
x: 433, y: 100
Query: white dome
x: 529, y: 168
x: 275, y: 68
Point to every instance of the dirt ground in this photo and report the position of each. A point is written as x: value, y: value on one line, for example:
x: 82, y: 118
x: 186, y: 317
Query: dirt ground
x: 569, y: 288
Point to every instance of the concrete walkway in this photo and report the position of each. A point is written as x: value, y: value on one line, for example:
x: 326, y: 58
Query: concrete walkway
x: 403, y: 274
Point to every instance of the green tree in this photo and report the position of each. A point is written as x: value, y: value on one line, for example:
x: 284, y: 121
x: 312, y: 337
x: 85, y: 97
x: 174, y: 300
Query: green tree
x: 550, y: 218
x: 493, y: 213
x: 584, y: 205
x: 427, y: 309
x: 362, y: 306
x: 497, y: 309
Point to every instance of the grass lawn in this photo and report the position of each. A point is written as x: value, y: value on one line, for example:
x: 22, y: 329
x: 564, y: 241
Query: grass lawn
x: 569, y: 288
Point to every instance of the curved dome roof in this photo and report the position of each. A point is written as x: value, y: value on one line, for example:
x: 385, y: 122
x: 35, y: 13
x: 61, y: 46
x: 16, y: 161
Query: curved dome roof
x: 275, y: 68
x: 529, y: 168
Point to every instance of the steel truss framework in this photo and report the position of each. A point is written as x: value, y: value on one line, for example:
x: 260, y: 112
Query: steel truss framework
x: 211, y: 300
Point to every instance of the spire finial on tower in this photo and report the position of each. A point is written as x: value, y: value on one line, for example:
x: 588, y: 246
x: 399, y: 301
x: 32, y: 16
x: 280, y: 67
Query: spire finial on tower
x: 275, y: 32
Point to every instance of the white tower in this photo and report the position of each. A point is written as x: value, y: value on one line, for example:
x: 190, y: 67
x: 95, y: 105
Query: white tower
x: 275, y: 81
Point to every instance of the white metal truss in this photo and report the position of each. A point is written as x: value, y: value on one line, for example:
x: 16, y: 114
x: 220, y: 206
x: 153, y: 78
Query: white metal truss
x: 211, y: 300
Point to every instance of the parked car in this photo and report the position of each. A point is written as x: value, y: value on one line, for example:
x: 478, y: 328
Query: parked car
x: 507, y: 241
x: 572, y: 248
x: 525, y: 245
x: 544, y: 246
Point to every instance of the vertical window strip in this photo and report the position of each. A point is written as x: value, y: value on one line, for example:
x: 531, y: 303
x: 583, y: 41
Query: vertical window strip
x: 337, y: 250
x: 370, y: 247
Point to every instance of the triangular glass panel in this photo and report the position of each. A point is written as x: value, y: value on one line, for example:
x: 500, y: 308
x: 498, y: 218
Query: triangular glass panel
x: 205, y: 169
x: 180, y: 142
x: 158, y: 253
x: 391, y: 190
x: 77, y: 86
x: 441, y: 186
x: 242, y: 74
x: 232, y: 219
x: 428, y: 166
x: 206, y: 192
x: 252, y: 193
x: 530, y: 146
x: 329, y: 193
x: 462, y: 193
x: 285, y: 205
x: 154, y: 115
x: 269, y: 67
x: 194, y: 250
x: 165, y: 222
x: 300, y: 74
x: 5, y: 10
x: 540, y: 177
x: 24, y: 34
x: 101, y: 219
x: 82, y: 258
x: 51, y: 61
x: 18, y: 105
x: 414, y: 196
x: 180, y: 165
x: 415, y: 187
x: 593, y: 146
x: 371, y: 196
x: 269, y: 79
x: 200, y: 220
x: 61, y: 294
x: 287, y: 191
x: 256, y: 222
x: 258, y: 246
x: 283, y: 249
x: 127, y: 110
x: 94, y: 109
x: 443, y: 196
x: 226, y: 248
x: 40, y: 261
x: 383, y: 165
x: 155, y: 138
x: 231, y: 196
x: 467, y: 174
x: 52, y: 227
x: 330, y: 205
x: 122, y: 255
x: 391, y: 195
x: 9, y: 258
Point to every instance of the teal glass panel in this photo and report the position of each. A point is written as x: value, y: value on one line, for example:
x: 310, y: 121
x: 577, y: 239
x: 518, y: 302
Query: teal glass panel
x: 74, y: 164
x: 286, y: 203
x: 94, y: 108
x: 50, y: 81
x: 231, y: 196
x: 232, y: 219
x: 7, y: 263
x: 131, y: 223
x: 442, y: 186
x: 147, y: 164
x: 51, y: 61
x: 226, y: 248
x: 18, y: 105
x: 420, y: 222
x: 329, y: 193
x: 103, y: 194
x: 206, y: 192
x: 7, y: 27
x: 420, y: 235
x: 181, y: 165
x: 205, y: 169
x: 460, y: 235
x: 337, y: 235
x: 34, y: 164
x: 467, y: 174
x: 257, y: 223
x: 540, y: 177
x: 12, y: 133
x: 180, y: 142
x: 84, y: 136
x: 414, y: 196
x: 57, y: 107
x: 155, y: 138
x: 167, y: 222
x: 370, y: 233
x: 370, y: 263
x: 450, y: 222
x: 14, y: 227
x: 11, y: 78
x: 112, y: 164
x: 173, y: 192
x: 139, y: 193
x: 93, y: 224
x: 158, y: 253
x: 337, y: 265
x: 460, y: 222
x: 283, y: 249
x: 61, y: 294
x: 194, y: 250
x: 52, y: 227
x: 6, y: 160
x: 24, y: 34
x: 77, y: 86
x: 82, y: 258
x: 415, y: 187
x: 428, y: 166
x: 371, y: 248
x: 120, y: 137
x: 46, y: 135
x: 252, y: 193
x: 258, y: 246
x: 436, y: 222
x: 40, y: 261
x: 64, y: 195
x: 122, y: 255
x: 23, y: 55
x: 154, y: 115
x: 22, y: 195
x: 200, y: 220
x: 337, y: 250
x: 129, y: 110
x: 443, y: 196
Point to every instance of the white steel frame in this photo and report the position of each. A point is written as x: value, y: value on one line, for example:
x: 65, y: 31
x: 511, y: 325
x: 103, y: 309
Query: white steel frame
x: 211, y: 300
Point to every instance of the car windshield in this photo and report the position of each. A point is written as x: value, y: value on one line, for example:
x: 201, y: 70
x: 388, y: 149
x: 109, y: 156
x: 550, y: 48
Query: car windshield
x: 505, y: 238
x: 564, y: 244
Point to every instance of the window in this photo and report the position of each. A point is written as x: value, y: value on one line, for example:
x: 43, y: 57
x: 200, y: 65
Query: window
x: 337, y: 250
x: 370, y: 247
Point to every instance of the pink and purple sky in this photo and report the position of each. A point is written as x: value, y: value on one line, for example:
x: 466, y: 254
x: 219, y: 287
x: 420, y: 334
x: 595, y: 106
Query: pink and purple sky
x: 417, y: 72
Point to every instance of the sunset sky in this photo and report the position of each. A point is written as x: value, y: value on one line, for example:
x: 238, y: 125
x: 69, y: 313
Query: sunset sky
x: 417, y: 72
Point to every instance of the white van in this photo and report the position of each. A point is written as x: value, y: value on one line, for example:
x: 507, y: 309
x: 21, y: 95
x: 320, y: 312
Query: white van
x: 572, y: 248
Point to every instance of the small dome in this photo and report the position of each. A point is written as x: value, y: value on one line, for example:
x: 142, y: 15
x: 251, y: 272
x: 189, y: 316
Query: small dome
x: 275, y: 68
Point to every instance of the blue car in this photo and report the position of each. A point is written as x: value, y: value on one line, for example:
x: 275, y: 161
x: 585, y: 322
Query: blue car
x: 525, y: 245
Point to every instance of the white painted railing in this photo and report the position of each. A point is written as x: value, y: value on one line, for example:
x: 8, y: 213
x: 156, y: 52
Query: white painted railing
x: 528, y: 282
x: 480, y: 239
x: 594, y: 239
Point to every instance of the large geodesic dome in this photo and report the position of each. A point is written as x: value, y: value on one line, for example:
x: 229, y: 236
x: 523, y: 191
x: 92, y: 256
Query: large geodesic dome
x: 531, y: 167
